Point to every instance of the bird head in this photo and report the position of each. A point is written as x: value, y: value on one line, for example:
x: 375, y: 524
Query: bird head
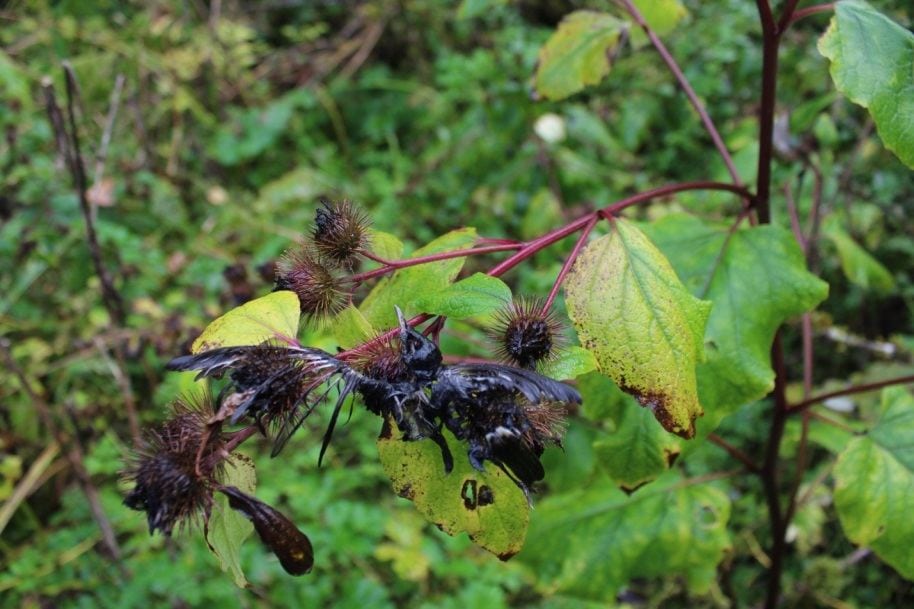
x: 420, y: 355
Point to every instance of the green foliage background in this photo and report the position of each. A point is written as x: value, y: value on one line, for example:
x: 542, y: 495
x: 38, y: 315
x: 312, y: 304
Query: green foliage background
x: 235, y: 117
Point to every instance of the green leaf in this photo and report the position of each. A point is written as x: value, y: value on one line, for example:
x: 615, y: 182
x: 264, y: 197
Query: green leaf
x: 544, y: 212
x: 874, y: 484
x: 592, y: 542
x: 470, y: 9
x: 452, y: 501
x: 477, y: 294
x: 385, y: 245
x: 409, y: 284
x: 272, y: 317
x: 570, y: 363
x: 576, y: 55
x: 759, y: 282
x: 350, y: 328
x: 227, y: 529
x: 635, y: 450
x: 662, y: 15
x: 858, y: 265
x: 645, y: 329
x: 872, y: 63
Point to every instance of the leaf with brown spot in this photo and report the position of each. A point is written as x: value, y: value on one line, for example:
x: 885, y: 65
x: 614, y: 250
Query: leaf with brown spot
x: 487, y: 505
x: 643, y: 326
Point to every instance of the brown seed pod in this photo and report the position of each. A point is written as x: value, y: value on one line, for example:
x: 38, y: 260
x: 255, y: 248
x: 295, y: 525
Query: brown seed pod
x: 169, y: 485
x: 340, y: 232
x: 524, y: 335
x: 319, y: 289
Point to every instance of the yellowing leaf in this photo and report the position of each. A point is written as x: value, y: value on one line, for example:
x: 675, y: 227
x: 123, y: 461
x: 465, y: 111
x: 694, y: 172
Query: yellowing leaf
x: 645, y: 329
x: 487, y: 505
x: 274, y: 316
x: 576, y: 55
x: 661, y: 15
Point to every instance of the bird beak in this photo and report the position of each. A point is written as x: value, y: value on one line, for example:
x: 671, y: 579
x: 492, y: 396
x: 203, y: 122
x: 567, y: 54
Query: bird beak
x: 404, y: 327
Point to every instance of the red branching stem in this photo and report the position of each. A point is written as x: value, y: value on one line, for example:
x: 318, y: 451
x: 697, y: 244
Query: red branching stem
x: 807, y: 355
x: 532, y: 247
x: 770, y: 475
x: 568, y: 264
x: 734, y: 452
x: 374, y: 257
x: 535, y: 245
x: 803, y: 446
x: 794, y: 218
x: 863, y: 388
x: 529, y: 248
x: 746, y: 213
x: 786, y: 14
x: 687, y: 89
x: 816, y: 9
x: 769, y: 28
x: 497, y: 241
x: 393, y: 265
x: 818, y: 416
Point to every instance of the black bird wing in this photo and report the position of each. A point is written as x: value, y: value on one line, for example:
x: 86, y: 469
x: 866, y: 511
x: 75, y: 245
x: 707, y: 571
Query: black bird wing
x: 215, y: 362
x: 472, y: 382
x: 260, y: 373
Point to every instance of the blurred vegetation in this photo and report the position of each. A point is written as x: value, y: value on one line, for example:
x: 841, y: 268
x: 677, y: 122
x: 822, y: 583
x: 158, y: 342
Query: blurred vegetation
x: 233, y: 119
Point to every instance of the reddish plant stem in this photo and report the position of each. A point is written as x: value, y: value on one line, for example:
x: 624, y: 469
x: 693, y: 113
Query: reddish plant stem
x: 803, y: 446
x: 393, y: 265
x: 771, y: 478
x: 549, y: 238
x: 734, y: 452
x: 770, y: 42
x: 786, y: 14
x: 818, y: 416
x: 746, y: 213
x: 568, y: 264
x: 239, y: 438
x: 827, y: 7
x: 769, y: 473
x: 814, y: 220
x: 794, y: 217
x: 806, y: 403
x: 807, y: 355
x: 687, y: 89
x: 529, y: 248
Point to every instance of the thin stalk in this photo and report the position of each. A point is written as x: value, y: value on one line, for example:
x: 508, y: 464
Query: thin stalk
x: 529, y: 248
x: 568, y: 264
x: 801, y: 406
x: 687, y: 89
x: 817, y: 9
x: 392, y: 265
x: 734, y: 452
